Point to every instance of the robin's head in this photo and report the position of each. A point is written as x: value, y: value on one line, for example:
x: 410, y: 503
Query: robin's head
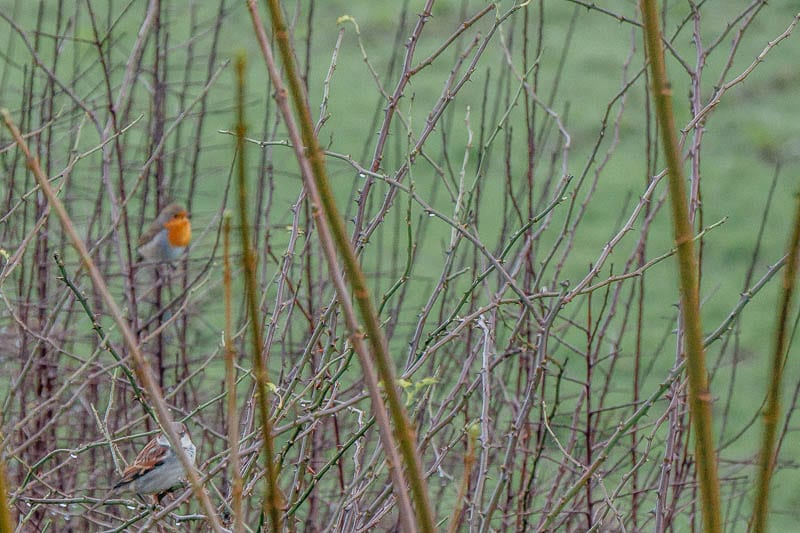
x: 172, y: 211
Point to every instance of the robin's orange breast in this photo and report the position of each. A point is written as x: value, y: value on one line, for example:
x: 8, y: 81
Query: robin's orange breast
x: 179, y: 231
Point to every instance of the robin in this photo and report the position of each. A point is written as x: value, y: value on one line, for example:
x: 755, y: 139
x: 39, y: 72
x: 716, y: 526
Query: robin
x: 167, y: 236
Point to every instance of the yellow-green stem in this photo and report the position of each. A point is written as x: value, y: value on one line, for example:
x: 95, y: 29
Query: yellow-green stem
x: 273, y: 501
x: 771, y: 411
x: 6, y: 526
x: 699, y: 395
x: 230, y: 379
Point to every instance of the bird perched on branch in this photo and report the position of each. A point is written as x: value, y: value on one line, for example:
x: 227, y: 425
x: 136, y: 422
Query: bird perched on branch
x: 167, y: 236
x: 157, y: 469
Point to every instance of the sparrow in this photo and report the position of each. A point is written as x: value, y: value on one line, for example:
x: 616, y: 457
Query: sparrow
x: 166, y: 238
x: 157, y: 468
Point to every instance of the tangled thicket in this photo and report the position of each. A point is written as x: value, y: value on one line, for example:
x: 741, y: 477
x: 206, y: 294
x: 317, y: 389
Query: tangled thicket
x: 505, y: 200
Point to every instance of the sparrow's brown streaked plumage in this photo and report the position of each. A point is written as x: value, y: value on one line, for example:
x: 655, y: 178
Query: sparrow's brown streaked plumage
x: 157, y: 468
x: 166, y: 238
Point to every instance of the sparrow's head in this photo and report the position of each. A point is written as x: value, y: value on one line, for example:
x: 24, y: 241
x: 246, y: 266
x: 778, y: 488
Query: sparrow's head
x: 180, y: 429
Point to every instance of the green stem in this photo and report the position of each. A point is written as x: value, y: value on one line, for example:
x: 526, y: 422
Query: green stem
x: 137, y: 391
x: 5, y: 512
x: 230, y: 379
x: 699, y: 395
x: 273, y: 502
x: 768, y: 454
